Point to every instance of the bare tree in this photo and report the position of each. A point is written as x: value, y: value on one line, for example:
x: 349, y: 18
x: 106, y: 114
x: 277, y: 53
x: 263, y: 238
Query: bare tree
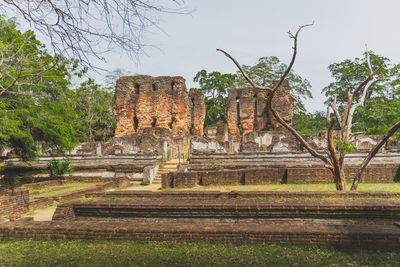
x: 83, y: 28
x: 336, y: 153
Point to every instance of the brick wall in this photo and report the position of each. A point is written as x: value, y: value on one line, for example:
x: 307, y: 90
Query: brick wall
x: 373, y: 174
x: 371, y: 236
x: 15, y: 204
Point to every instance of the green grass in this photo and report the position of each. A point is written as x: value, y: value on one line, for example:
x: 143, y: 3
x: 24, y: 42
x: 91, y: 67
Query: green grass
x: 72, y: 187
x: 390, y: 187
x: 107, y: 253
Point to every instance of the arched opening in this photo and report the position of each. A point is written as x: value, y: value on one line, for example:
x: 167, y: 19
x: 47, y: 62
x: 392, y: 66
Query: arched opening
x: 153, y: 124
x: 154, y: 87
x: 137, y: 88
x: 238, y: 110
x: 173, y: 85
x: 135, y: 123
x: 171, y: 124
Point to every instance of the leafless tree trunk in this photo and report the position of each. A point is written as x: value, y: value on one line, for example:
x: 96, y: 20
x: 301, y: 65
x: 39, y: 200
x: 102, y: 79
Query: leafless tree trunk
x: 335, y: 158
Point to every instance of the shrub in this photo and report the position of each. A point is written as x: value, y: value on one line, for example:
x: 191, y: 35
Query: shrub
x: 60, y: 167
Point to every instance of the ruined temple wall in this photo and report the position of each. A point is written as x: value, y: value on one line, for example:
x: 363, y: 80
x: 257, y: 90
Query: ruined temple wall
x: 198, y: 113
x: 143, y: 101
x: 247, y: 109
x: 231, y: 113
x: 124, y: 114
x: 283, y: 103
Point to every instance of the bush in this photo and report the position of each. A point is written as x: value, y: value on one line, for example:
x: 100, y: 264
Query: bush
x: 60, y: 167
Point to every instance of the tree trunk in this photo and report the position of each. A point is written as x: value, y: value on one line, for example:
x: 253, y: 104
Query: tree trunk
x: 340, y: 179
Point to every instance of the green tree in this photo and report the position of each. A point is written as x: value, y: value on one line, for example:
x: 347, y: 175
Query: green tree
x: 309, y: 123
x: 214, y: 85
x: 94, y: 108
x: 34, y: 95
x: 381, y: 108
x: 269, y: 69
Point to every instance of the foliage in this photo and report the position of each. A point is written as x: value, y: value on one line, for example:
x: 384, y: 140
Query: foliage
x: 345, y: 146
x: 269, y: 69
x: 214, y: 86
x: 60, y: 167
x: 382, y: 108
x: 93, y: 104
x: 309, y: 123
x: 380, y: 115
x: 34, y: 95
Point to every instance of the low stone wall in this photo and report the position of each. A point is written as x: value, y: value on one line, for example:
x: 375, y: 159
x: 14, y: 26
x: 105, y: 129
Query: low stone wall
x: 243, y: 194
x: 235, y: 210
x: 268, y: 159
x: 38, y: 202
x: 370, y: 236
x: 14, y: 204
x: 373, y: 174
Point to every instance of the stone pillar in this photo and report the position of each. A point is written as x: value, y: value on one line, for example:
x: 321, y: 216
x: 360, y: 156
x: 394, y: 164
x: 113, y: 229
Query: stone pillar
x: 246, y: 109
x: 231, y: 113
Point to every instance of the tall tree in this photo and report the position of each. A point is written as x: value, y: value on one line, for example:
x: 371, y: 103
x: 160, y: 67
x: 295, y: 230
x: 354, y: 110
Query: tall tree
x: 34, y: 95
x: 269, y: 69
x: 335, y: 159
x: 380, y: 109
x: 94, y: 108
x: 214, y: 86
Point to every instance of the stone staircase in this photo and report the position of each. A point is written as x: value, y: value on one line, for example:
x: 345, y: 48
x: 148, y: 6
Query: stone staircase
x: 166, y: 167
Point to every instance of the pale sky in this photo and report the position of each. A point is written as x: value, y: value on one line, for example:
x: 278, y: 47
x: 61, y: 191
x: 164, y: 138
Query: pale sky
x: 256, y: 28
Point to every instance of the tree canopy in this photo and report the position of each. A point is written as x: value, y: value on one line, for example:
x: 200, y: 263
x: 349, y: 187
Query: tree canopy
x: 35, y: 101
x: 382, y: 106
x: 214, y: 86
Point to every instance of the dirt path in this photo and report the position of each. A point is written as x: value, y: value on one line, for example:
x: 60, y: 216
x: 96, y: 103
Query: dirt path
x: 43, y: 214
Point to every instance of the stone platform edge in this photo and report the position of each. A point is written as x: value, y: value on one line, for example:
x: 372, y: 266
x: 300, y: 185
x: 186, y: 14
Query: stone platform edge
x: 371, y: 236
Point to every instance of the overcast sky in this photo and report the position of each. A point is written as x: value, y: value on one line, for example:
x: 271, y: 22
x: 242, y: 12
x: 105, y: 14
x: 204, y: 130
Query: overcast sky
x: 256, y: 28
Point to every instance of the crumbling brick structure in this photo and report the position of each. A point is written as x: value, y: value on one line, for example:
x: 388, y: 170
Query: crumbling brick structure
x: 198, y: 113
x: 247, y: 109
x: 143, y: 101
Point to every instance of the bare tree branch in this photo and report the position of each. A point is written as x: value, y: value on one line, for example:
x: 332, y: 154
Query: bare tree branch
x: 294, y: 37
x: 243, y: 72
x: 83, y: 29
x: 372, y: 154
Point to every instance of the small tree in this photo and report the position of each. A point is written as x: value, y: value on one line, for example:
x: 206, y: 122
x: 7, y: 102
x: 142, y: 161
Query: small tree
x: 336, y: 152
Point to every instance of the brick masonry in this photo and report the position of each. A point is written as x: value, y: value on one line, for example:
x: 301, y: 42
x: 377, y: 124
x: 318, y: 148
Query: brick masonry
x: 373, y: 174
x: 239, y: 210
x: 143, y: 101
x: 14, y: 204
x: 371, y: 236
x: 243, y: 194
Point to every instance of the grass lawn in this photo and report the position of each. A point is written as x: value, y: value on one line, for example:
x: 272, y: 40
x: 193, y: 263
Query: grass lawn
x: 391, y: 187
x: 107, y: 253
x: 72, y: 187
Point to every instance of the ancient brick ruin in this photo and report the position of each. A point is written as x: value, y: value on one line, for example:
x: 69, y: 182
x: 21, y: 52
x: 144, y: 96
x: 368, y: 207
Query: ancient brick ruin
x: 247, y: 110
x: 147, y: 102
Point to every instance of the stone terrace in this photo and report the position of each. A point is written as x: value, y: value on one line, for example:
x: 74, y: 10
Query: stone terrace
x: 234, y: 210
x: 372, y: 236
